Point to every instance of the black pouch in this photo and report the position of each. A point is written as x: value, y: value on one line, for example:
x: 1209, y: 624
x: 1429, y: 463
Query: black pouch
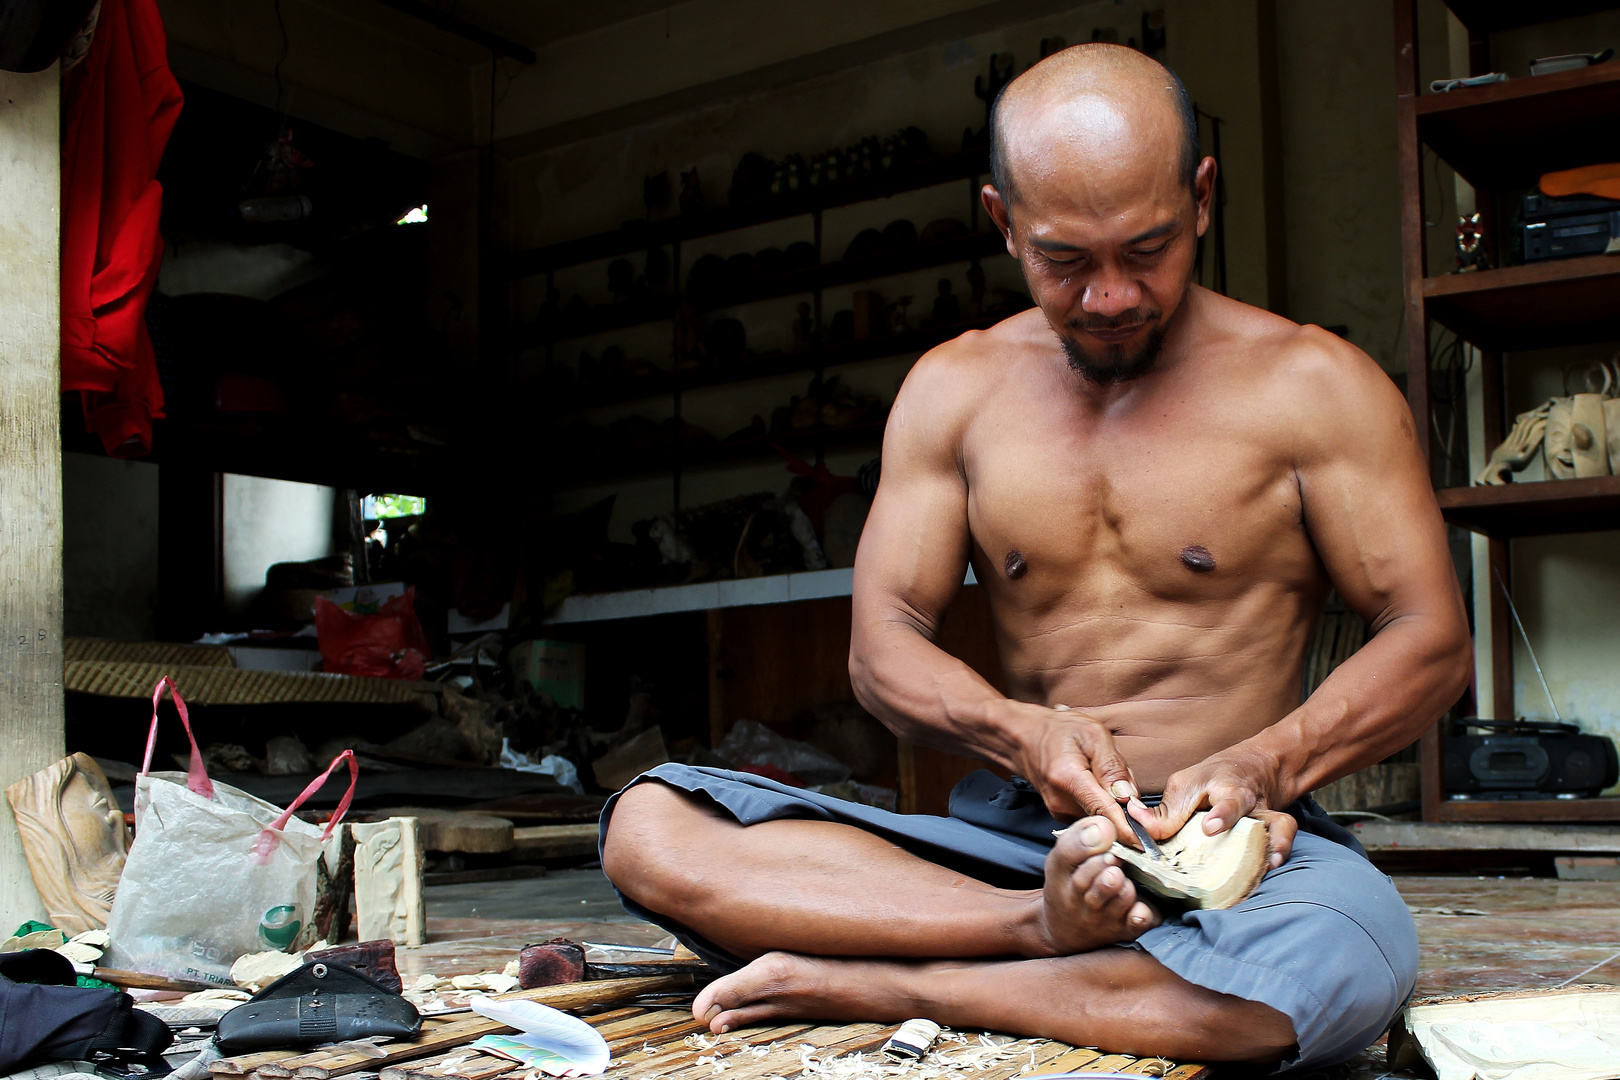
x: 44, y: 1017
x: 319, y: 1003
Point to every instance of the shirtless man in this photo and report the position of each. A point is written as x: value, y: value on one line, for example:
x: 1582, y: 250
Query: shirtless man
x: 1156, y: 486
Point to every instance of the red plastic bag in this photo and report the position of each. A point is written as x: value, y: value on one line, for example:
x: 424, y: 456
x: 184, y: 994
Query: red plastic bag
x: 388, y: 645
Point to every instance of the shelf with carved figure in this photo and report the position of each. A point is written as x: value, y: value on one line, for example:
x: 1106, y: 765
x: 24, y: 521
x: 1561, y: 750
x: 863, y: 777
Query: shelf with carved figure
x: 1502, y: 137
x: 1591, y: 504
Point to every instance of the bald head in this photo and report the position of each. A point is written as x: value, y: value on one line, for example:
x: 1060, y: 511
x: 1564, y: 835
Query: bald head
x: 1097, y: 102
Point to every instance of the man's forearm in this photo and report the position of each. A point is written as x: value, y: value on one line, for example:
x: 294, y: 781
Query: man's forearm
x: 1376, y: 703
x: 924, y: 694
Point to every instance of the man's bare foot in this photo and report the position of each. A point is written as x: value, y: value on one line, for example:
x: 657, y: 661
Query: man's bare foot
x: 1088, y: 902
x: 786, y: 986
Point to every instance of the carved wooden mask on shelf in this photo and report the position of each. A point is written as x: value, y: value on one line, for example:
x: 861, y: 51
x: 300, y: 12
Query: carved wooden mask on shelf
x: 1582, y: 437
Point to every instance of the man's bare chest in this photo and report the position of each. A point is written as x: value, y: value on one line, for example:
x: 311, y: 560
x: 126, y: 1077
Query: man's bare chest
x: 1179, y: 504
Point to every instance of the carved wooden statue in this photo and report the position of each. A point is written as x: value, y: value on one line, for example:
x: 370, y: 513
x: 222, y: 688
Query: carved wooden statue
x: 73, y: 835
x: 1578, y: 435
x: 388, y: 881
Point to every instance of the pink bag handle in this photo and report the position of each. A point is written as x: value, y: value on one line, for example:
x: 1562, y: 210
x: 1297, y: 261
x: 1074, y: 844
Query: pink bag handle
x: 197, y: 777
x: 270, y: 838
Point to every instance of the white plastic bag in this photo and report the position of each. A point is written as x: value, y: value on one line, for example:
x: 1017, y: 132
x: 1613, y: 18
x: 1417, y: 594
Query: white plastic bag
x: 214, y: 872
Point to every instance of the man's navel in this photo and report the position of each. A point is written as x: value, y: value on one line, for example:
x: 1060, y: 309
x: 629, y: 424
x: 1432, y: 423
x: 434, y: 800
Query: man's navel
x: 1015, y: 565
x: 1197, y: 558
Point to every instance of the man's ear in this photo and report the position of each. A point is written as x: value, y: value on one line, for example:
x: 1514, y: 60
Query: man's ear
x: 1000, y: 213
x: 1204, y: 191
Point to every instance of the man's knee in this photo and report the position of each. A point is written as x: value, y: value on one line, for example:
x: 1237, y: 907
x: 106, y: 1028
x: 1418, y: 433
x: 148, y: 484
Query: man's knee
x: 641, y: 847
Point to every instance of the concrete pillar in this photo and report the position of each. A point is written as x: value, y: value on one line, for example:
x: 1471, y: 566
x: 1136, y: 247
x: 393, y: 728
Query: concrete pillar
x: 31, y: 728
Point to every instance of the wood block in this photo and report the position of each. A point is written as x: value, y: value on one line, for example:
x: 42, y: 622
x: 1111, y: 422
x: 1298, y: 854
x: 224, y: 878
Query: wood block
x: 373, y: 959
x: 554, y: 841
x: 388, y: 900
x: 550, y: 964
x: 1588, y: 438
x: 1200, y: 870
x: 456, y: 830
x: 73, y: 836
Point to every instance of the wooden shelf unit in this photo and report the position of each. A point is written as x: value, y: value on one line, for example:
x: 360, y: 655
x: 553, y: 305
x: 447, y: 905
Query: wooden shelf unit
x: 968, y: 248
x: 1504, y: 135
x: 1500, y: 137
x: 1556, y: 302
x: 816, y: 440
x: 638, y: 236
x: 1535, y: 509
x: 662, y: 383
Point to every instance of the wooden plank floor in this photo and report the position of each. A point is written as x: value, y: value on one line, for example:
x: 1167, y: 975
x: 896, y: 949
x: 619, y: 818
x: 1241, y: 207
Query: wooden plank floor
x: 673, y: 1046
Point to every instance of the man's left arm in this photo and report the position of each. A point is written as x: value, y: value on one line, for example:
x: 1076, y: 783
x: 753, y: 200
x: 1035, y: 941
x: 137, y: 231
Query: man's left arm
x: 1371, y: 514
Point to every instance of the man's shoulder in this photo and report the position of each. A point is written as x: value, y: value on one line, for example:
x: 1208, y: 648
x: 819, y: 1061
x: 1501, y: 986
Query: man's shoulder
x: 1329, y: 389
x: 1302, y: 360
x: 968, y: 365
x: 958, y: 372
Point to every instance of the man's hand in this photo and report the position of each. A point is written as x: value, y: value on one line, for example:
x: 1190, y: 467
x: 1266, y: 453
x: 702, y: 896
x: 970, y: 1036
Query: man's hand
x: 1234, y: 783
x: 1073, y: 763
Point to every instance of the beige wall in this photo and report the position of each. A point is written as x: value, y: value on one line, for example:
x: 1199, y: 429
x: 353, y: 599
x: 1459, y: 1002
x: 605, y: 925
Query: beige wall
x: 1225, y: 53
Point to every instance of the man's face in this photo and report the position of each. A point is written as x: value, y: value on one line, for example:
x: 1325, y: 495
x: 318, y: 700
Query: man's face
x: 1108, y: 257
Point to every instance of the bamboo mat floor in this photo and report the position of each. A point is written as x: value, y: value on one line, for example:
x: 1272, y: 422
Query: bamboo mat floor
x: 1476, y: 933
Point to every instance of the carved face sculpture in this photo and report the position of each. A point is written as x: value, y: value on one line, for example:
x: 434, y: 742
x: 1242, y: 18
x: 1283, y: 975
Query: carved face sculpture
x: 1582, y: 431
x: 1611, y: 421
x: 73, y: 834
x: 1556, y: 445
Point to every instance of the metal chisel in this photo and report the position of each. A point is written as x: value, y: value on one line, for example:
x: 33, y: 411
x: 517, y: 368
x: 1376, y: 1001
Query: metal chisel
x: 1149, y: 845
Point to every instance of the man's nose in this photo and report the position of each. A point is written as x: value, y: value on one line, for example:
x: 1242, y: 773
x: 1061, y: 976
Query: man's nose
x: 1109, y: 294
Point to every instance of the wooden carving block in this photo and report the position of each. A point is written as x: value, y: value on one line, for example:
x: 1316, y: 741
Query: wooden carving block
x: 388, y: 881
x: 373, y: 959
x: 556, y: 962
x: 1202, y: 871
x: 73, y: 835
x: 1588, y: 437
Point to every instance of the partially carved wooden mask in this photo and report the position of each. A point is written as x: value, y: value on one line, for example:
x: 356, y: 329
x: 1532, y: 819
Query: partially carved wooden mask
x: 1578, y: 435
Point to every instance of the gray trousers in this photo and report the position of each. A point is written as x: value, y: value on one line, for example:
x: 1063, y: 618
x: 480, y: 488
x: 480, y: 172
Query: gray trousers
x: 1324, y: 939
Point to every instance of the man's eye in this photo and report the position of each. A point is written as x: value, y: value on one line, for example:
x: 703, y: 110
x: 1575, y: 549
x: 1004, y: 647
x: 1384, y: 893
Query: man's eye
x: 1148, y: 253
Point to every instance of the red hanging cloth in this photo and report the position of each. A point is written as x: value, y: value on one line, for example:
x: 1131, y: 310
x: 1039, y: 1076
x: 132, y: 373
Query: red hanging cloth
x: 119, y: 107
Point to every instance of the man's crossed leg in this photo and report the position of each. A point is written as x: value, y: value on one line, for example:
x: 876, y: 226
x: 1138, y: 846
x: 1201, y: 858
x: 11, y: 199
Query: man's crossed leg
x: 793, y: 895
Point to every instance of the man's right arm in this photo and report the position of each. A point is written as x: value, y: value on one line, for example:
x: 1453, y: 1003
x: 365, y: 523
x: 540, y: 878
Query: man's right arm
x: 913, y: 556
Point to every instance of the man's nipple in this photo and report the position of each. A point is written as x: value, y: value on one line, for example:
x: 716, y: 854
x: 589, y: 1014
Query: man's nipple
x: 1015, y: 565
x: 1197, y: 558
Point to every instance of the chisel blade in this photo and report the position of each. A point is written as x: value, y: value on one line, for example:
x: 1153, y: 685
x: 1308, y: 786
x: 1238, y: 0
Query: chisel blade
x: 1149, y: 845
